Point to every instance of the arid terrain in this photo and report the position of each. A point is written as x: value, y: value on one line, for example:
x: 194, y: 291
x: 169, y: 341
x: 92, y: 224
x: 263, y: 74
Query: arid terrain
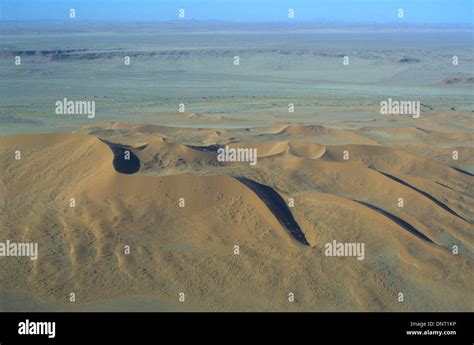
x: 335, y: 169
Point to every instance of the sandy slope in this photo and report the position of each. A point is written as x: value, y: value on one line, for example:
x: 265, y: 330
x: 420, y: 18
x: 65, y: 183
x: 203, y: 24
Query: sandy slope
x: 190, y: 249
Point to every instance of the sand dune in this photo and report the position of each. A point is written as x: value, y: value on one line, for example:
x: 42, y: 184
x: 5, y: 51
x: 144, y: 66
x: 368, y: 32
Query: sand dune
x: 414, y: 133
x: 282, y: 148
x: 316, y: 132
x: 388, y: 159
x: 189, y: 249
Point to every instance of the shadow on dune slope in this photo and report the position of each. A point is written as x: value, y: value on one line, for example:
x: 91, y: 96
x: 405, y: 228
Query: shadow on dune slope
x: 277, y: 206
x: 426, y: 195
x: 407, y: 226
x: 125, y: 161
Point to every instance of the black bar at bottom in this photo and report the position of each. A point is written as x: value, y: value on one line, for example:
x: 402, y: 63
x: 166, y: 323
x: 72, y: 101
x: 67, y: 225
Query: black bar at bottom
x: 238, y: 328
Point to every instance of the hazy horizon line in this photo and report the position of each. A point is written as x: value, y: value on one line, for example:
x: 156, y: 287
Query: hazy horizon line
x: 294, y: 23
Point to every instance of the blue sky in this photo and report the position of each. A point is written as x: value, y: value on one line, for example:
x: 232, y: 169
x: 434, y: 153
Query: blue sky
x: 348, y: 11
